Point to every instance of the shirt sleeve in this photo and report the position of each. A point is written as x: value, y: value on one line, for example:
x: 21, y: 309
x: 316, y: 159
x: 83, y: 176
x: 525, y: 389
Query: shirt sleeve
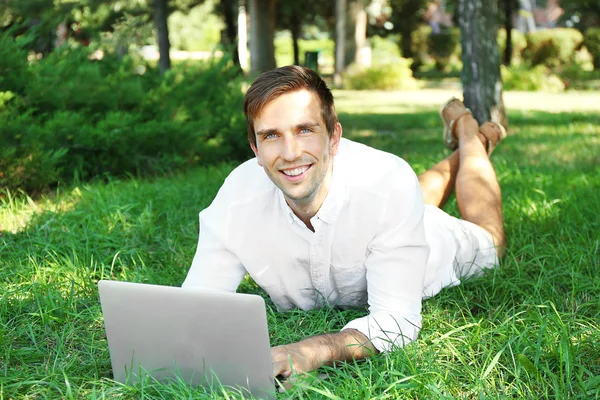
x: 395, y: 270
x: 214, y: 266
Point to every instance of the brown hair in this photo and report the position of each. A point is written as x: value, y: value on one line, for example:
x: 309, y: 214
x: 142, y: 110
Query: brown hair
x: 271, y: 84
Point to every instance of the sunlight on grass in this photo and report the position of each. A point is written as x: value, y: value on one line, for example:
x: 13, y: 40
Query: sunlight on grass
x: 17, y: 209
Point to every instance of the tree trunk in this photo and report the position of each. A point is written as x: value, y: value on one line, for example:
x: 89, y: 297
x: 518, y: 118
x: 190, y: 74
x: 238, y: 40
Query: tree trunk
x: 508, y: 24
x: 482, y: 84
x: 296, y: 27
x: 162, y: 33
x: 350, y: 49
x: 406, y: 44
x: 340, y: 40
x: 362, y: 53
x: 262, y: 34
x: 230, y: 13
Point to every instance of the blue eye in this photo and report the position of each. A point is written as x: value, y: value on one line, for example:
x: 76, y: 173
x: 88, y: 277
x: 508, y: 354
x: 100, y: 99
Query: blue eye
x: 305, y: 130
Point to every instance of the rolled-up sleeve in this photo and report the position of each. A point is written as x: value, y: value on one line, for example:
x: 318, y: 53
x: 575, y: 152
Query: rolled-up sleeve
x: 395, y: 271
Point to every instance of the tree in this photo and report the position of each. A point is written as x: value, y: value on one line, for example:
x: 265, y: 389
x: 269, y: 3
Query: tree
x: 340, y: 40
x: 482, y: 83
x: 291, y: 15
x: 294, y: 15
x: 262, y: 34
x: 350, y: 36
x: 229, y: 10
x: 406, y: 17
x: 587, y: 11
x: 508, y: 25
x: 160, y: 14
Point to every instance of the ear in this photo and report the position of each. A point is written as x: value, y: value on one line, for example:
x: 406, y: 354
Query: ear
x: 255, y: 150
x: 335, y: 139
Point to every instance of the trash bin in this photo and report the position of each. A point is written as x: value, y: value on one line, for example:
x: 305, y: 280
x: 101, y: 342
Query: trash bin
x: 311, y: 59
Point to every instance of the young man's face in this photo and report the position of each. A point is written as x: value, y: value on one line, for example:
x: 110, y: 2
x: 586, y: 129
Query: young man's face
x: 294, y: 148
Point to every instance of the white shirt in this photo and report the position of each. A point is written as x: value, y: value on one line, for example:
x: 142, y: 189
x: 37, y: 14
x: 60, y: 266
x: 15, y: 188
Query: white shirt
x: 368, y: 247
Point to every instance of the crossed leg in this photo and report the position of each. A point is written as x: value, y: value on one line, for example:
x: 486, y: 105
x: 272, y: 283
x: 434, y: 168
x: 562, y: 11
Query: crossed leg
x: 470, y: 173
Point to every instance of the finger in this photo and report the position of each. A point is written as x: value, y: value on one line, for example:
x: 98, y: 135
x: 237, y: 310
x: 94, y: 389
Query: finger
x: 291, y: 381
x: 282, y: 368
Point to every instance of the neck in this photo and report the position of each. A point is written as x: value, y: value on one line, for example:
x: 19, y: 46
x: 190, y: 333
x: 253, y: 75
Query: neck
x: 307, y: 208
x: 304, y: 210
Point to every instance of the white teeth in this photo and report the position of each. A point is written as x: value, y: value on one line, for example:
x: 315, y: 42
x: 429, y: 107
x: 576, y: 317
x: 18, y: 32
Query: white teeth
x: 295, y: 171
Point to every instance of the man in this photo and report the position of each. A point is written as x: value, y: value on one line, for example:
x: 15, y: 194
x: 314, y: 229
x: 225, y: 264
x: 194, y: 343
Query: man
x: 327, y: 221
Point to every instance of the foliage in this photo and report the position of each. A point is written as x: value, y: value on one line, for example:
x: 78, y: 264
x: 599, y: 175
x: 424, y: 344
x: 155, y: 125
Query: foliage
x: 552, y: 47
x: 69, y: 116
x: 530, y: 79
x: 420, y: 47
x: 391, y: 76
x: 406, y: 16
x: 519, y: 43
x: 124, y: 22
x: 592, y: 43
x: 196, y: 30
x: 444, y: 45
x: 581, y: 14
x: 384, y: 49
x: 575, y: 76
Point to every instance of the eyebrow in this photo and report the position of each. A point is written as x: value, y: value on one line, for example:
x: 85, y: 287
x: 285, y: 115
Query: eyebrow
x: 304, y: 125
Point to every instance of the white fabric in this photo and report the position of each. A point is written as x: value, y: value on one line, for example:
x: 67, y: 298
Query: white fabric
x: 369, y: 245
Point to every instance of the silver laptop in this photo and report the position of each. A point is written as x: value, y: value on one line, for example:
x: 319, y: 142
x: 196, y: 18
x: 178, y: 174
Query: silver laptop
x: 203, y: 338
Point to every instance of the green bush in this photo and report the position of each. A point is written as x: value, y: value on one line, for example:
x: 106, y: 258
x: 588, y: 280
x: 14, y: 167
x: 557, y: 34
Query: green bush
x: 577, y: 77
x: 393, y: 76
x: 552, y: 47
x: 68, y: 116
x: 443, y: 46
x: 384, y: 50
x: 420, y: 46
x: 592, y: 42
x: 519, y: 43
x: 530, y: 79
x: 14, y: 71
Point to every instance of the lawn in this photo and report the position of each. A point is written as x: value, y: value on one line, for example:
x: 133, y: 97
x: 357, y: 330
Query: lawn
x: 530, y: 329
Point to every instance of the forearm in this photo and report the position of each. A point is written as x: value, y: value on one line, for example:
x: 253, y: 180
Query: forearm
x: 346, y: 345
x: 316, y: 351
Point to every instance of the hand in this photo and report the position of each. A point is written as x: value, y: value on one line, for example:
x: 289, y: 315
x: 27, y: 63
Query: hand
x: 294, y: 358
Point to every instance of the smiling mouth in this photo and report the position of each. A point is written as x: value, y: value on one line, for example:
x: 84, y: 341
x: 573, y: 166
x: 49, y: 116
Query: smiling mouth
x: 295, y: 172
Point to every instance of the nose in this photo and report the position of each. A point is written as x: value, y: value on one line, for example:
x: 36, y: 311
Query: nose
x: 291, y: 149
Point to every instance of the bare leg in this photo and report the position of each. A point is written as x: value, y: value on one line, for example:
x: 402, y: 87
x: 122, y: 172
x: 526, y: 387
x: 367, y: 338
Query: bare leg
x: 437, y: 183
x: 477, y: 189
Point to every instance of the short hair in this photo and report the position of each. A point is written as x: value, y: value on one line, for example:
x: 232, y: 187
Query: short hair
x: 292, y: 78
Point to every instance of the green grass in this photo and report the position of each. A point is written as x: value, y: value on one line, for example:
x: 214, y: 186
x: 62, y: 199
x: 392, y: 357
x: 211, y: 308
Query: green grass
x: 530, y: 329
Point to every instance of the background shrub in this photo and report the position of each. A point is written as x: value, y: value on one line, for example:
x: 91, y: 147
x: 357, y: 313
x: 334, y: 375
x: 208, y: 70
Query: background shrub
x: 530, y: 79
x: 396, y: 75
x: 420, y: 46
x: 443, y: 46
x: 592, y: 42
x: 552, y: 47
x: 519, y: 43
x: 68, y: 116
